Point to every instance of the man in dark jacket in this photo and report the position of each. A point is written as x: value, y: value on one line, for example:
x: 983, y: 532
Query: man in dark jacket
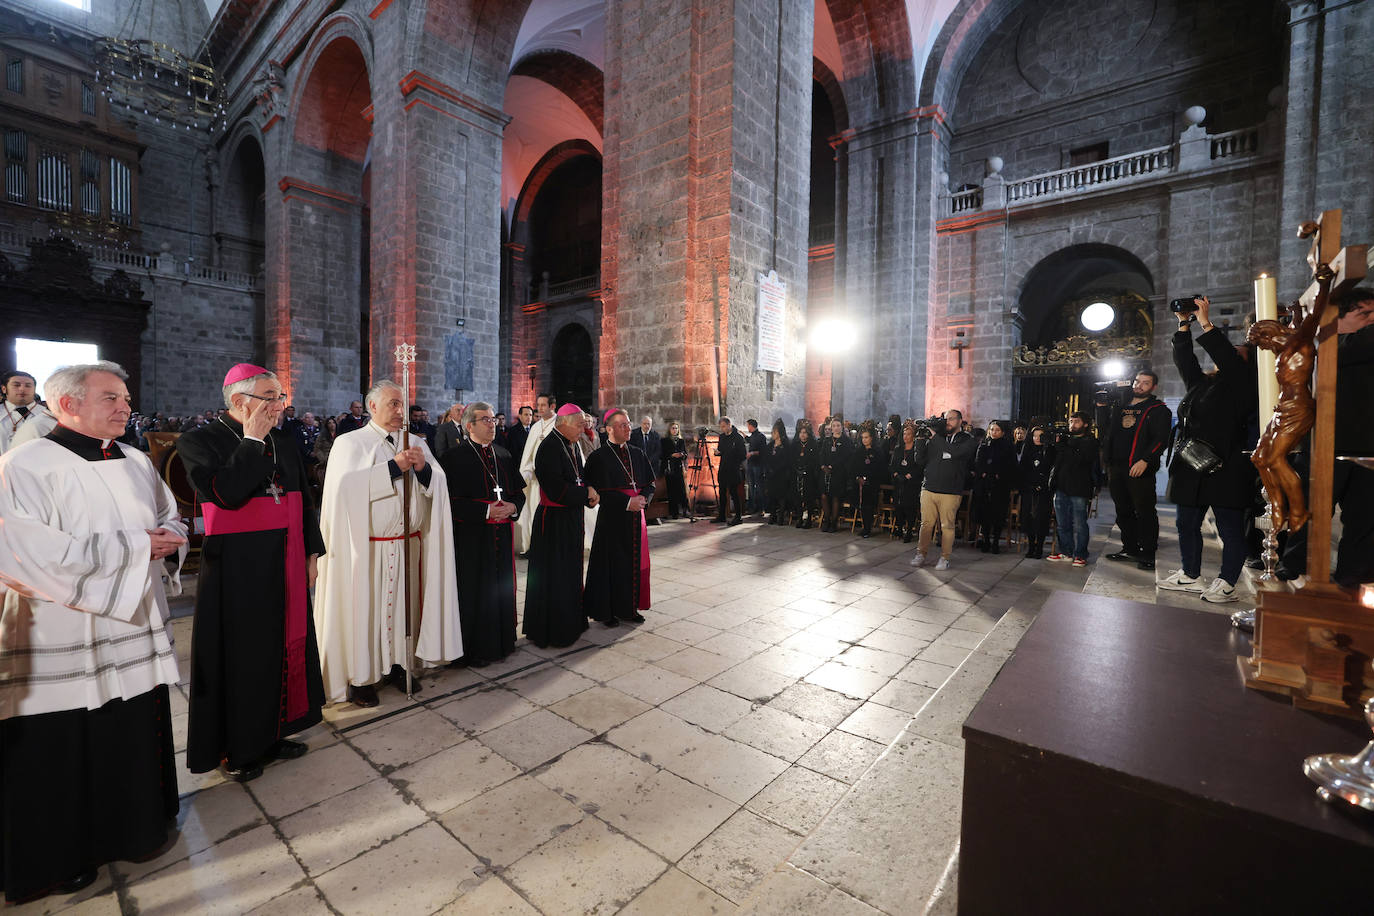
x: 518, y: 434
x: 1219, y: 410
x: 449, y: 434
x: 1074, y: 478
x: 1135, y: 438
x: 948, y: 457
x: 756, y: 447
x: 731, y: 449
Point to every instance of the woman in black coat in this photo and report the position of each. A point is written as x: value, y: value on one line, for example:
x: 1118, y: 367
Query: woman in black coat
x: 777, y: 459
x: 1037, y: 497
x: 674, y: 456
x: 1219, y: 409
x: 906, y: 464
x: 994, y: 471
x: 869, y: 469
x: 806, y: 471
x: 835, y: 478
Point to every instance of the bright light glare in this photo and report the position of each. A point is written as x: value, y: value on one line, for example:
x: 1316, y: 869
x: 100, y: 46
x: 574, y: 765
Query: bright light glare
x: 1113, y: 368
x: 1097, y: 316
x: 41, y: 358
x: 83, y: 5
x: 833, y: 335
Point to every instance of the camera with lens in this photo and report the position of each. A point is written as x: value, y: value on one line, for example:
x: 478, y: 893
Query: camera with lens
x: 701, y: 435
x: 1186, y: 304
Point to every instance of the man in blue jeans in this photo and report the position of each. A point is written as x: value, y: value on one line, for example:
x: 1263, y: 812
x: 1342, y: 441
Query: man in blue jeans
x: 1073, y: 479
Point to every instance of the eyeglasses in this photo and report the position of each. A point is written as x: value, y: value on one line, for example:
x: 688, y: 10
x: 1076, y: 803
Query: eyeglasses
x: 490, y: 421
x: 278, y: 400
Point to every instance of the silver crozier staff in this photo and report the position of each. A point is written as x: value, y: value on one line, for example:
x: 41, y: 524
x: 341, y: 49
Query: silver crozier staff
x: 405, y: 355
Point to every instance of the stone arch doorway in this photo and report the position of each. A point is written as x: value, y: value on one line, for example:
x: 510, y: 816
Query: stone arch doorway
x: 1085, y: 315
x: 572, y: 366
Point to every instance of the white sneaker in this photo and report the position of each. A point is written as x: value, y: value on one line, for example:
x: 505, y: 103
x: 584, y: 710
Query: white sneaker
x: 943, y: 564
x: 1181, y: 582
x: 918, y: 559
x: 1220, y: 592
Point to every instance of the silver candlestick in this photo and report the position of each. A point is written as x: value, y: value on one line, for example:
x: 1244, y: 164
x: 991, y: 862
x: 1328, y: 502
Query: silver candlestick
x: 1349, y: 778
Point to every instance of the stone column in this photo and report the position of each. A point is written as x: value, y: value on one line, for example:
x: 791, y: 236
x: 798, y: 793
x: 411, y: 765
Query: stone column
x: 884, y: 373
x: 1326, y: 161
x: 436, y: 254
x: 698, y: 206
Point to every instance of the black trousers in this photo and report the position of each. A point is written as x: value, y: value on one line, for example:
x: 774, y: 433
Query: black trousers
x: 730, y: 490
x: 1036, y: 506
x: 1352, y: 489
x: 677, y: 494
x: 1136, y: 514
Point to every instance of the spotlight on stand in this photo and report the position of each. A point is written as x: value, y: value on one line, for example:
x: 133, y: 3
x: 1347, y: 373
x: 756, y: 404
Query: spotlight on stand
x: 1112, y: 369
x: 1098, y: 316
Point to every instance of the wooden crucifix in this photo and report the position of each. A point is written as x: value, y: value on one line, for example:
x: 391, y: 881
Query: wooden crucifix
x: 1335, y: 270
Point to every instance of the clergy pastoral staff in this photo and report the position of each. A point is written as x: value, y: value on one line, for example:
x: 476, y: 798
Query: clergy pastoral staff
x: 255, y: 664
x: 24, y: 417
x: 360, y: 611
x: 485, y: 495
x: 545, y: 404
x: 87, y: 773
x: 553, y: 587
x: 618, y: 569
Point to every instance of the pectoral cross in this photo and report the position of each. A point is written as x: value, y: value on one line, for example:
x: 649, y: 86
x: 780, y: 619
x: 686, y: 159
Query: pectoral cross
x: 275, y: 492
x: 497, y: 490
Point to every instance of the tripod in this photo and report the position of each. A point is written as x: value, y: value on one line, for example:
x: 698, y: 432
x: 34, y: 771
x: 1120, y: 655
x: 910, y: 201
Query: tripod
x: 703, y: 453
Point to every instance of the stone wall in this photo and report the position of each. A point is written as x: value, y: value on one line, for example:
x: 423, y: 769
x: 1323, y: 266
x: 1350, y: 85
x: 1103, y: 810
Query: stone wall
x: 1037, y: 89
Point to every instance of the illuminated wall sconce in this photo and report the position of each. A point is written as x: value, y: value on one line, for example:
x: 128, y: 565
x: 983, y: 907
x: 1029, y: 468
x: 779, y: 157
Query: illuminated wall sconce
x: 959, y: 344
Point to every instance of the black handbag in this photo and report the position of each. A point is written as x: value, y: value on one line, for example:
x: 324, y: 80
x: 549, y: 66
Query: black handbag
x: 1198, y: 455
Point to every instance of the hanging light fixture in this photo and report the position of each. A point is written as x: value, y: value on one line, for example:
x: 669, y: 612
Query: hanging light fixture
x: 159, y: 80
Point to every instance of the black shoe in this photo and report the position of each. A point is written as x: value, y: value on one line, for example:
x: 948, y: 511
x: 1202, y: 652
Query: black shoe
x: 79, y: 883
x: 865, y: 533
x: 635, y: 618
x: 995, y: 548
x: 805, y: 524
x: 397, y: 679
x: 610, y: 623
x: 244, y: 774
x: 734, y: 521
x: 287, y: 750
x: 366, y: 697
x: 1146, y: 563
x: 1256, y: 563
x: 480, y: 662
x: 906, y: 538
x: 718, y: 520
x: 1122, y: 556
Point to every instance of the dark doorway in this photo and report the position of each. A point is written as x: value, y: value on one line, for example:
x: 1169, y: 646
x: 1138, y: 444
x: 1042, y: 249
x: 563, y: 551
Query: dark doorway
x: 1064, y: 352
x: 572, y: 366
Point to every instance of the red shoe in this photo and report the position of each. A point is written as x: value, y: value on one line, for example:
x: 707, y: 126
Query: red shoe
x: 1056, y: 558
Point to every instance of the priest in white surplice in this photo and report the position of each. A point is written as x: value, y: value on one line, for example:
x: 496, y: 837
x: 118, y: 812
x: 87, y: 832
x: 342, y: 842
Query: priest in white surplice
x: 359, y: 595
x: 23, y: 417
x: 546, y: 406
x: 87, y: 772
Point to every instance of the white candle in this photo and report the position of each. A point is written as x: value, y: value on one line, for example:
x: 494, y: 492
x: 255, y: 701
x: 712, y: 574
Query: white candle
x: 1267, y: 307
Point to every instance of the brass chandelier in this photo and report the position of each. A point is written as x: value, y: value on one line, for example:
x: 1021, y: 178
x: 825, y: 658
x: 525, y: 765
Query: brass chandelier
x: 149, y: 79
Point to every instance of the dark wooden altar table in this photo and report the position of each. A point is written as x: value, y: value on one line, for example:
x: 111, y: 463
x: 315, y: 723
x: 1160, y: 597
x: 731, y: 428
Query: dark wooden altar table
x: 1117, y: 764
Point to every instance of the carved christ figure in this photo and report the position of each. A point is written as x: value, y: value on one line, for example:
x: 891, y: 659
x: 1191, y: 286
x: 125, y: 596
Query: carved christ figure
x: 1294, y: 415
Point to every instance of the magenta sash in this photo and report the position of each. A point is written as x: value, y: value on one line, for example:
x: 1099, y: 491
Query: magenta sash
x: 643, y: 553
x: 264, y: 513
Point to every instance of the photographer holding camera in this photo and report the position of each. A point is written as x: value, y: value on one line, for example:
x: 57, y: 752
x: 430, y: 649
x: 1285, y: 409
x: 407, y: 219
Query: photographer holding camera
x: 1134, y: 440
x: 1208, y: 468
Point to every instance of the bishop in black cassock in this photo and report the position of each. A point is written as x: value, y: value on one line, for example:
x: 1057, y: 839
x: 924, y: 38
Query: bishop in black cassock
x: 553, y: 589
x: 486, y: 494
x: 255, y: 664
x: 618, y: 570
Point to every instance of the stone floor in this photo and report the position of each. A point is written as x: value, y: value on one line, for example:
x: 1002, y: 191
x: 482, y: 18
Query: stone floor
x: 766, y: 742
